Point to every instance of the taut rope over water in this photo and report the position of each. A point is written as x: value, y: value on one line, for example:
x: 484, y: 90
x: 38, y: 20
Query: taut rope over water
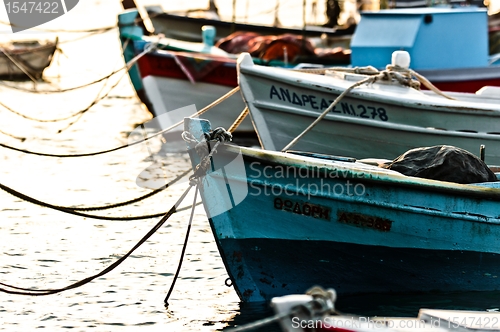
x: 96, y: 100
x: 39, y: 292
x: 219, y: 134
x: 200, y: 112
x: 73, y: 210
x: 203, y: 149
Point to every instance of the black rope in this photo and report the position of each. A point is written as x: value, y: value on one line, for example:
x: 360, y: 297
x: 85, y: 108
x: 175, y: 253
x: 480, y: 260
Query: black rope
x: 72, y: 211
x: 81, y: 112
x: 40, y: 292
x: 61, y: 30
x: 89, y: 34
x: 135, y: 200
x: 22, y: 139
x: 91, y: 153
x: 97, y: 99
x: 10, y: 86
x: 72, y: 88
x: 183, y: 249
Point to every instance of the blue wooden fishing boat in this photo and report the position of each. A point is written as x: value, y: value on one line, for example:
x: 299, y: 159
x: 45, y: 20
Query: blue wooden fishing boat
x: 284, y: 222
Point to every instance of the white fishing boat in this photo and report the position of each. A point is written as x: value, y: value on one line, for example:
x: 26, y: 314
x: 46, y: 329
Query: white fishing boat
x: 26, y: 59
x: 316, y: 311
x: 382, y: 118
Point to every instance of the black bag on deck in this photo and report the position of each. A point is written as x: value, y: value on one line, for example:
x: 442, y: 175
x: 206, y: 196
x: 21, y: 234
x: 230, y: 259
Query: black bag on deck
x: 444, y: 163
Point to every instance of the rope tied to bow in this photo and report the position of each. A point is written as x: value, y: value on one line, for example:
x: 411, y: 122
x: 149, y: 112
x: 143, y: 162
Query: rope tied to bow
x: 219, y: 135
x: 396, y: 73
x: 203, y: 149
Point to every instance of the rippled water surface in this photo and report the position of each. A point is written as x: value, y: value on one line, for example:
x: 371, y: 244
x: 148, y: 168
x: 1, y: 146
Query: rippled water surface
x: 44, y: 248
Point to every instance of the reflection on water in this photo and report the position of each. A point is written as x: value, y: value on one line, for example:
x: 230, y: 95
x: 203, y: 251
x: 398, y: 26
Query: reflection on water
x: 43, y: 248
x: 252, y: 312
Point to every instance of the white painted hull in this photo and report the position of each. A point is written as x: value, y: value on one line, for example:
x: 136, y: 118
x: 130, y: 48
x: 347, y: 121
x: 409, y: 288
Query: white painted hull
x: 378, y: 120
x: 169, y: 94
x: 22, y: 58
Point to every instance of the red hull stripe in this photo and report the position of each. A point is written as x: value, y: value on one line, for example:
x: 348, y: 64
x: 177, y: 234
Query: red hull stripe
x: 167, y: 67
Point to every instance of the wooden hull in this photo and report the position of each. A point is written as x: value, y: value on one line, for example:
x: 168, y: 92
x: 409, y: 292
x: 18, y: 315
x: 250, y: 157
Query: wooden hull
x: 21, y: 58
x: 189, y: 28
x: 284, y: 223
x: 168, y: 88
x: 163, y: 86
x: 376, y: 120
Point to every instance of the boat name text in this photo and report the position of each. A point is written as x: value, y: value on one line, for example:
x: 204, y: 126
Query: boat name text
x: 364, y: 221
x: 302, y: 208
x: 358, y: 110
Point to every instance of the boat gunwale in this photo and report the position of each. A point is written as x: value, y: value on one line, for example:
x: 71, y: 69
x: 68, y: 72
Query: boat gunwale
x: 310, y: 31
x: 302, y: 81
x: 366, y: 174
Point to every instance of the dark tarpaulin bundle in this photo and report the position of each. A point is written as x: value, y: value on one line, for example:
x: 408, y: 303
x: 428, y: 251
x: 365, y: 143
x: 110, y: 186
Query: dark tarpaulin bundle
x: 444, y: 163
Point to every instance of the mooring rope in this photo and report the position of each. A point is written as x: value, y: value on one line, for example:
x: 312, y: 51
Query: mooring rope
x: 96, y: 100
x: 200, y: 112
x: 90, y: 34
x: 326, y: 111
x: 218, y: 134
x: 36, y: 91
x: 62, y: 30
x: 74, y: 210
x: 239, y: 120
x: 132, y: 201
x: 203, y: 149
x: 40, y: 292
x: 184, y: 246
x: 405, y: 75
x: 22, y: 139
x: 402, y: 75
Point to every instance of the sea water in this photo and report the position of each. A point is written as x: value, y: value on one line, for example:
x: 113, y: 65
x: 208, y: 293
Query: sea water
x: 42, y: 248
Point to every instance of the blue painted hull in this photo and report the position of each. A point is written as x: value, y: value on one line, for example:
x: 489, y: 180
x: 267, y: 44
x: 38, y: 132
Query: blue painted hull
x: 280, y: 267
x: 278, y: 235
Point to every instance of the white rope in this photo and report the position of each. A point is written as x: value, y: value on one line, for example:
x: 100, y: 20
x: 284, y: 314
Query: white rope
x: 402, y: 75
x: 325, y: 112
x: 369, y: 70
x: 239, y: 120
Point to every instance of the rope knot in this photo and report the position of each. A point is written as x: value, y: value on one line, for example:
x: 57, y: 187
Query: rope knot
x: 219, y: 135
